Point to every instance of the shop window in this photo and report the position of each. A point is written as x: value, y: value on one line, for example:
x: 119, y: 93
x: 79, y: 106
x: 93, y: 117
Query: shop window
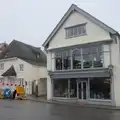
x: 63, y: 60
x: 92, y: 57
x: 58, y: 61
x: 73, y: 88
x: 76, y: 59
x: 97, y: 60
x: 66, y: 60
x: 100, y: 88
x: 87, y: 61
x: 97, y: 56
x: 60, y: 88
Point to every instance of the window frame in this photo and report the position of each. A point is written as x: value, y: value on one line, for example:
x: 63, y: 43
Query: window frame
x: 95, y: 49
x: 22, y: 67
x: 73, y: 28
x: 62, y: 55
x: 21, y: 80
x: 38, y: 56
x: 91, y: 53
x: 1, y: 66
x: 105, y: 79
x: 80, y: 51
x: 1, y: 79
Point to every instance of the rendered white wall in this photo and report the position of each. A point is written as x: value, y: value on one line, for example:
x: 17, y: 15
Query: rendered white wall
x: 106, y: 55
x: 94, y: 33
x: 42, y: 87
x: 30, y: 73
x: 49, y: 61
x: 116, y: 72
x: 49, y: 89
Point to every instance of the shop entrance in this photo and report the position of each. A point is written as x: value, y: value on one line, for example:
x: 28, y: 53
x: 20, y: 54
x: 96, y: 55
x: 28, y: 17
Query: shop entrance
x: 82, y: 90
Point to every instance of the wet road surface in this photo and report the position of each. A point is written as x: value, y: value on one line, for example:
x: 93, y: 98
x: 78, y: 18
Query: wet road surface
x: 26, y: 110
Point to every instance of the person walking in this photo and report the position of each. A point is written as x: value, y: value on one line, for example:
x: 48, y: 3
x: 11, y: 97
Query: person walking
x: 14, y: 94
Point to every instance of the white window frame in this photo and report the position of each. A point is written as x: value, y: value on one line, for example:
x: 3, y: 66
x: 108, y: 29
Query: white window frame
x: 1, y: 80
x: 70, y: 31
x: 21, y: 66
x: 1, y: 66
x: 21, y: 81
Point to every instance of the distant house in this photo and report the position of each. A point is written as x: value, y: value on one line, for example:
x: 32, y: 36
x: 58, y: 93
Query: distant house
x: 22, y: 64
x: 83, y: 60
x: 3, y: 46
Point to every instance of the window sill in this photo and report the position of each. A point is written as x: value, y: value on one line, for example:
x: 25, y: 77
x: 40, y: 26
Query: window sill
x: 76, y: 36
x: 83, y: 69
x: 101, y: 100
x: 65, y: 98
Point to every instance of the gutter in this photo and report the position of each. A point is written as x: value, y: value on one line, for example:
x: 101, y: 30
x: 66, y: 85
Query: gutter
x: 7, y: 59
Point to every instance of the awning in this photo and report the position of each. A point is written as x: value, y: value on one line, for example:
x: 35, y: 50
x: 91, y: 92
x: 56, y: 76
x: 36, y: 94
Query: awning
x: 10, y: 72
x: 80, y: 74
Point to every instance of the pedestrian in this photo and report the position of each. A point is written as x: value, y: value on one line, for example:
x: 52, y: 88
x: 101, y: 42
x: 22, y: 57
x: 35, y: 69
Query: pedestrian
x: 36, y: 91
x: 14, y: 94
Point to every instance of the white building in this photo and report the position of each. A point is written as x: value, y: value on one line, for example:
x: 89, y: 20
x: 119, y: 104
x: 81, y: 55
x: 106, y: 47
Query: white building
x: 22, y: 64
x: 83, y: 60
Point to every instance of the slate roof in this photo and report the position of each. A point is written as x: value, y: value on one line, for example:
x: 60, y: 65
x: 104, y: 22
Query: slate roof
x: 25, y: 52
x: 85, y: 14
x: 10, y: 72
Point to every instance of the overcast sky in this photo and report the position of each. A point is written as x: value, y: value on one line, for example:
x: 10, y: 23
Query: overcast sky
x: 31, y: 21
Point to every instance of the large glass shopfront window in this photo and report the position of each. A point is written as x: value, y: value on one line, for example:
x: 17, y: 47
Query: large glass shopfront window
x: 66, y: 88
x: 60, y: 88
x: 92, y: 57
x: 82, y: 58
x: 100, y: 88
x: 63, y: 60
x: 76, y: 59
x: 73, y: 88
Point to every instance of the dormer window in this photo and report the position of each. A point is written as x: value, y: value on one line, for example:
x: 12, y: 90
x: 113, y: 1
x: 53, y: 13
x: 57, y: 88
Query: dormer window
x: 75, y: 31
x: 1, y: 66
x: 21, y: 67
x: 38, y: 56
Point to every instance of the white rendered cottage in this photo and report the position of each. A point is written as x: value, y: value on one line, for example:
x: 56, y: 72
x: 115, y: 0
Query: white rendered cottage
x: 22, y: 64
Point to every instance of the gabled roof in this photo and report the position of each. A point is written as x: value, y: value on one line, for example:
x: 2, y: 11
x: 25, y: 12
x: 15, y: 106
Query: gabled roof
x: 10, y: 72
x: 28, y: 53
x: 82, y: 12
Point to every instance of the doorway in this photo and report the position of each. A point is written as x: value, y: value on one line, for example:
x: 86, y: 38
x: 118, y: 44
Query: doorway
x: 82, y: 90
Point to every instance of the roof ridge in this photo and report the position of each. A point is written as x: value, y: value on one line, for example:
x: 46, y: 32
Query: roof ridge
x: 25, y: 43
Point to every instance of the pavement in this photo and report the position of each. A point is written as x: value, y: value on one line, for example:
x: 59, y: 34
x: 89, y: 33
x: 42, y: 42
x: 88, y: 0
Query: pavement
x: 43, y: 99
x: 30, y: 110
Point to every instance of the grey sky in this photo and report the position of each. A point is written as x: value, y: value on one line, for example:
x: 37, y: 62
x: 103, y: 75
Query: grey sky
x: 31, y: 21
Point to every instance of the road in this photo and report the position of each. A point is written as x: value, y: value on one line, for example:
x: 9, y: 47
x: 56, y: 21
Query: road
x: 28, y: 110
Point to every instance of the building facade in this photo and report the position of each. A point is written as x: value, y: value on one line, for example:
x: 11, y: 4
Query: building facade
x: 83, y: 60
x: 18, y: 67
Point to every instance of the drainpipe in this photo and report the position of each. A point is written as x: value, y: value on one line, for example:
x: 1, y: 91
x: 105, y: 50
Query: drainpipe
x: 118, y: 39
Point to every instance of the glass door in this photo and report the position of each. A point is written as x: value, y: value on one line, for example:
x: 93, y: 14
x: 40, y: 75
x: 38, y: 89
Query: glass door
x: 82, y: 90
